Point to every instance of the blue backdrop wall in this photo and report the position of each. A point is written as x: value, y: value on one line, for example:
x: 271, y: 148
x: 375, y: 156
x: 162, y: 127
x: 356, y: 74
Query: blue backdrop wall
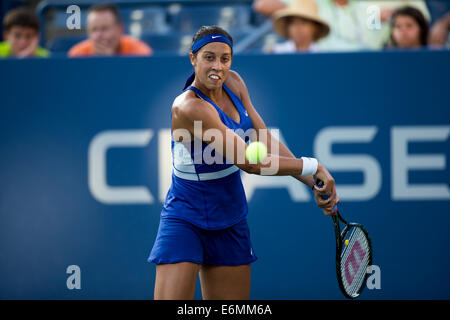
x: 85, y: 165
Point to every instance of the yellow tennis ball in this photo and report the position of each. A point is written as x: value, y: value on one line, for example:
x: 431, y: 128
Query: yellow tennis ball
x: 256, y: 152
x: 346, y: 242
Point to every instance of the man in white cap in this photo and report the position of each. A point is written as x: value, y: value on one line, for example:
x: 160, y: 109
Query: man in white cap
x: 301, y: 24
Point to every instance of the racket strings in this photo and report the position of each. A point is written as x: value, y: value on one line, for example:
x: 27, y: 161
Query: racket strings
x: 358, y: 238
x: 355, y: 285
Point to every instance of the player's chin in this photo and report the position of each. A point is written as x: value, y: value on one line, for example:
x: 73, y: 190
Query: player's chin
x: 214, y: 84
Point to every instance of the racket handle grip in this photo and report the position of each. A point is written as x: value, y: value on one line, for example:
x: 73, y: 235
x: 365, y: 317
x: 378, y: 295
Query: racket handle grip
x: 319, y: 183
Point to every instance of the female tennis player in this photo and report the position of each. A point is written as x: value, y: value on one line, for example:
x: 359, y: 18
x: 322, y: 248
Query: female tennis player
x: 203, y: 228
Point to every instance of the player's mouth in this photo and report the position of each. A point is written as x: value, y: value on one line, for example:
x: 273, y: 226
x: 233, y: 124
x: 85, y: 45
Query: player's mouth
x: 214, y: 77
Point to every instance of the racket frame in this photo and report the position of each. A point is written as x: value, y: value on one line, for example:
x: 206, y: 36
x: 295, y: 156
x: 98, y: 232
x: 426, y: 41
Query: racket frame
x: 340, y: 235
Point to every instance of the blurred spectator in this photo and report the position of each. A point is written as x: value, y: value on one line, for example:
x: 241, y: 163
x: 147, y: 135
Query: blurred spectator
x: 409, y: 29
x: 438, y: 9
x: 347, y: 19
x: 439, y: 36
x: 300, y: 23
x: 354, y: 25
x: 21, y: 35
x: 387, y: 7
x: 106, y: 36
x: 359, y: 25
x: 269, y: 7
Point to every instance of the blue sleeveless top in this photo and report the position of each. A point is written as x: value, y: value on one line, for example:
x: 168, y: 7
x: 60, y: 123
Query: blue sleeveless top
x: 208, y: 195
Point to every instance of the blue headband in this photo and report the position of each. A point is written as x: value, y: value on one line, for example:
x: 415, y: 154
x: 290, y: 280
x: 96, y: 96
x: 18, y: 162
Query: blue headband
x: 214, y: 37
x: 203, y: 41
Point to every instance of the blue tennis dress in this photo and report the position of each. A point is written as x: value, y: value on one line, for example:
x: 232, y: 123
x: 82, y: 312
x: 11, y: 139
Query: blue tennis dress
x: 203, y: 219
x: 210, y: 196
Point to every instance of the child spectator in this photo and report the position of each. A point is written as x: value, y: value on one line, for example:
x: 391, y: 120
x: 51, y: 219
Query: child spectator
x: 409, y: 29
x: 354, y: 24
x: 21, y: 35
x: 300, y: 23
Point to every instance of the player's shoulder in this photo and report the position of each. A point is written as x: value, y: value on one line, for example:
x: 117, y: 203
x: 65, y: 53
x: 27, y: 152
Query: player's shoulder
x: 234, y: 80
x: 188, y: 106
x: 235, y: 83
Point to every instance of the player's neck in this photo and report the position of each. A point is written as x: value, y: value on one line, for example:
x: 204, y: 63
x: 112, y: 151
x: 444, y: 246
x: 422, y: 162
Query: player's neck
x: 214, y: 94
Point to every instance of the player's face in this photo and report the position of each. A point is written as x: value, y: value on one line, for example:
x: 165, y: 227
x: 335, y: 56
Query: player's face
x: 103, y: 29
x: 20, y: 38
x: 212, y: 64
x: 406, y: 32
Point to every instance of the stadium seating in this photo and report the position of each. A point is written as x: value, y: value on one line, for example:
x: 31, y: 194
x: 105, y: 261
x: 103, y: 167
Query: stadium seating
x: 266, y: 43
x: 230, y: 17
x: 57, y: 19
x: 166, y: 26
x: 63, y: 44
x: 138, y: 21
x: 173, y: 44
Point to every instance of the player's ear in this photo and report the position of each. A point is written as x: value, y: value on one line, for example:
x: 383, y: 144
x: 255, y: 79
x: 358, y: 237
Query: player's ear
x: 193, y: 59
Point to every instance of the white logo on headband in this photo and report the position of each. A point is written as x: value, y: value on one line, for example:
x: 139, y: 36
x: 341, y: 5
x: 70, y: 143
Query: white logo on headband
x: 215, y: 37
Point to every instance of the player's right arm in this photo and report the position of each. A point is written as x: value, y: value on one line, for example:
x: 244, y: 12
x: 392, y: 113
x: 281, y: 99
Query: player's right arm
x: 188, y: 109
x: 236, y: 82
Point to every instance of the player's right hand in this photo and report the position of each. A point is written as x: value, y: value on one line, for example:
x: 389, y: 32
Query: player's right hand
x: 328, y: 205
x: 327, y: 189
x: 323, y: 175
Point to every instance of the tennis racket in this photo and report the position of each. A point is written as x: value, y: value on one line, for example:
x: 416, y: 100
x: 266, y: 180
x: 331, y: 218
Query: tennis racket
x: 353, y: 253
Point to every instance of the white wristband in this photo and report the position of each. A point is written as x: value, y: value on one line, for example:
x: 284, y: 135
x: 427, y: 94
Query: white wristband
x: 309, y: 166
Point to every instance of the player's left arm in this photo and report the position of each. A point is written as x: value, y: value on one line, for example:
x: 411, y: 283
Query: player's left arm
x: 283, y: 150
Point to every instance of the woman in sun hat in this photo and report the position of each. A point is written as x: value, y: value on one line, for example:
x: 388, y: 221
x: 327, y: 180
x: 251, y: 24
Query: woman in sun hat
x: 300, y: 23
